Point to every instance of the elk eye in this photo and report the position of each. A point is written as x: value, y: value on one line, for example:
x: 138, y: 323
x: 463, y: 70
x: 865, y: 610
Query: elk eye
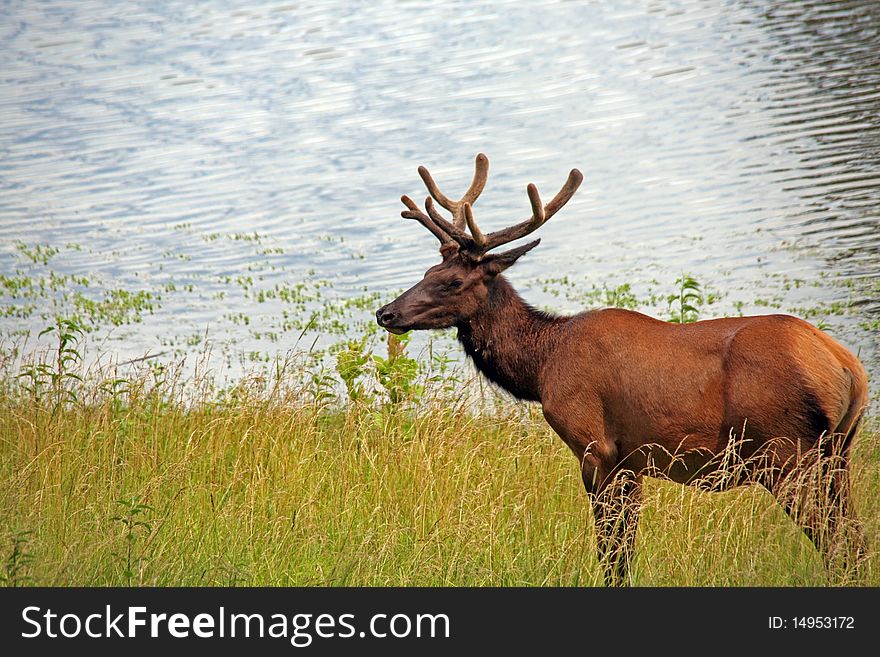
x: 456, y: 283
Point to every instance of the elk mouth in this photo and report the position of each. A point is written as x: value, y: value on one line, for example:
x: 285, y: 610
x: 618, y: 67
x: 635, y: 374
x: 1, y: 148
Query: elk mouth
x: 395, y: 330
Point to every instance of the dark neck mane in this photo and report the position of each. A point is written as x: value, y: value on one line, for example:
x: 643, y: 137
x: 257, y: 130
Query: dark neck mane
x: 509, y: 341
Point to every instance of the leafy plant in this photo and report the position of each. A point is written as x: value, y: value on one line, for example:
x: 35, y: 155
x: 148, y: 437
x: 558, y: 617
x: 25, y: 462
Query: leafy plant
x: 685, y: 303
x: 398, y: 372
x: 351, y: 365
x: 55, y: 375
x: 135, y: 523
x: 321, y: 386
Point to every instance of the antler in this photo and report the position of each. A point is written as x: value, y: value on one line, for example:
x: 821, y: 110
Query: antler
x: 477, y: 244
x: 540, y: 215
x: 481, y: 174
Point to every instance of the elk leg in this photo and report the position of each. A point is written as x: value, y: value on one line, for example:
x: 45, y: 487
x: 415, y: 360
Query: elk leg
x: 616, y: 509
x: 615, y: 493
x: 815, y: 493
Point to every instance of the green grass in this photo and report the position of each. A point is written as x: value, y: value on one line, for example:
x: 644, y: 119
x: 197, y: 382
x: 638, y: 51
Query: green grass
x: 149, y: 479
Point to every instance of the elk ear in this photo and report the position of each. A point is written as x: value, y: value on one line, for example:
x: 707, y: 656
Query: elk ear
x: 496, y: 263
x: 448, y: 250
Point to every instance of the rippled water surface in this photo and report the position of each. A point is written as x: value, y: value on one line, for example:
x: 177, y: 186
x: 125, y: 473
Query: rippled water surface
x: 204, y: 152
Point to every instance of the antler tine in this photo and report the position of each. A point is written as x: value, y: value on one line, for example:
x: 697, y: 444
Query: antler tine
x: 476, y: 234
x: 540, y: 213
x: 456, y: 233
x: 425, y: 220
x: 441, y: 198
x: 575, y: 178
x: 438, y: 218
x: 481, y: 174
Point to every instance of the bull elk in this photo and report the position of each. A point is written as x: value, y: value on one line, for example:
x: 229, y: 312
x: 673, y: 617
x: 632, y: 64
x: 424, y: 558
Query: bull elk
x: 633, y: 396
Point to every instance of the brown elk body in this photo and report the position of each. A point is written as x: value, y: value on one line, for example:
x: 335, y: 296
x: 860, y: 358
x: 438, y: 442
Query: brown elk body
x: 769, y: 399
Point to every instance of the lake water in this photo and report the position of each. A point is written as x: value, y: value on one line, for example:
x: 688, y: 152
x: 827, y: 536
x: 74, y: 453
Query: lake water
x: 203, y: 152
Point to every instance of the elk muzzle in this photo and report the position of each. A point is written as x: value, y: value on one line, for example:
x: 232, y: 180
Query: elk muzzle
x: 386, y: 317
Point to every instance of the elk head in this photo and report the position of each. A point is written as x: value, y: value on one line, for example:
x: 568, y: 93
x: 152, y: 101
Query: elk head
x: 452, y: 291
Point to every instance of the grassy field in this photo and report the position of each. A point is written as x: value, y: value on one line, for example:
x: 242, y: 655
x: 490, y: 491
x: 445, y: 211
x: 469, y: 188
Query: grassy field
x: 152, y: 478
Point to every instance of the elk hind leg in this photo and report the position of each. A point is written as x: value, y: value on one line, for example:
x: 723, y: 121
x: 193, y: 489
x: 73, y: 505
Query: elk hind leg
x: 815, y: 492
x: 616, y: 509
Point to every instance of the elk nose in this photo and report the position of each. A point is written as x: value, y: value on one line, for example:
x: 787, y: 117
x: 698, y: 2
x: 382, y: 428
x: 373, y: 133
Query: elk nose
x: 384, y: 316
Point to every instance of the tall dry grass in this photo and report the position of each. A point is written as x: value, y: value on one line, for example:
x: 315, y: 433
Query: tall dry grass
x: 153, y: 479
